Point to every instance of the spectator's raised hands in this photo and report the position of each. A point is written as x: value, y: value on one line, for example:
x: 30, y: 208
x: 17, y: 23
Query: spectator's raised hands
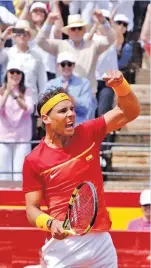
x: 7, y: 33
x: 52, y: 17
x: 98, y: 16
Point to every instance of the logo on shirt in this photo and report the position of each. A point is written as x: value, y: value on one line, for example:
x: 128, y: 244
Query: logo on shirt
x: 89, y: 157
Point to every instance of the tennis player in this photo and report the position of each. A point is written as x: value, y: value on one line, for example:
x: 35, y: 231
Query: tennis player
x: 63, y: 159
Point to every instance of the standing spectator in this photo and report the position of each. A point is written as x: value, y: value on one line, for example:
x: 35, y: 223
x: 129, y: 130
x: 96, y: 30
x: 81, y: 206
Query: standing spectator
x: 86, y: 52
x: 77, y: 87
x: 143, y: 223
x: 16, y: 108
x: 37, y: 13
x: 35, y: 75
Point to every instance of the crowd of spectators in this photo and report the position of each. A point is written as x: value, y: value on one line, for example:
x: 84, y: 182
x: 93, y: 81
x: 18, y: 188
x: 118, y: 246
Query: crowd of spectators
x: 69, y: 44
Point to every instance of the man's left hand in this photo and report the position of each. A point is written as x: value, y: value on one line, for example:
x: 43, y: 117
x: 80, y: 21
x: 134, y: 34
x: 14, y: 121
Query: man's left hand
x: 113, y: 78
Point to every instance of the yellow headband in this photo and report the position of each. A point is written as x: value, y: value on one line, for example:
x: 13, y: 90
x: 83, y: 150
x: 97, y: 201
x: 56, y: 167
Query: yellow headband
x: 52, y: 102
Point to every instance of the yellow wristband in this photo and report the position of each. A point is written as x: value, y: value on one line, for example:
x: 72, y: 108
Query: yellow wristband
x: 123, y: 89
x: 41, y: 221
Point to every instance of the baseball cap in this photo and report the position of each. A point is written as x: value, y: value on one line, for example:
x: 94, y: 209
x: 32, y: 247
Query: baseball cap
x: 66, y: 56
x: 39, y: 5
x: 106, y: 13
x: 14, y: 64
x: 145, y: 197
x: 121, y: 17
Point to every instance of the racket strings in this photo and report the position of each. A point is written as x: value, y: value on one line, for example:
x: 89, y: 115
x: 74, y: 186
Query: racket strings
x: 82, y: 211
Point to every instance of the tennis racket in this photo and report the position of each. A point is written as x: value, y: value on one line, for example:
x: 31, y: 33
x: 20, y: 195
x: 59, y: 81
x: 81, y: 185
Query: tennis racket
x: 82, y: 211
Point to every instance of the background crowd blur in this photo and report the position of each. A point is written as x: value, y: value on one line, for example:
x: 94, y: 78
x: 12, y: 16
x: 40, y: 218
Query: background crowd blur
x: 72, y: 48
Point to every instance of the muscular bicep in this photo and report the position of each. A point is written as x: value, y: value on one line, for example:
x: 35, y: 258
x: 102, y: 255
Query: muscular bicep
x: 33, y: 202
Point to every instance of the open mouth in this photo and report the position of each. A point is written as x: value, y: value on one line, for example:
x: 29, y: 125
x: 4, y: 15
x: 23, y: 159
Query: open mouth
x: 69, y: 125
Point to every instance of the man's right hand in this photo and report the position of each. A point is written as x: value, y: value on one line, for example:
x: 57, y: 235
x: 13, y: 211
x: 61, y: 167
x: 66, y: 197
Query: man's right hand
x: 58, y: 232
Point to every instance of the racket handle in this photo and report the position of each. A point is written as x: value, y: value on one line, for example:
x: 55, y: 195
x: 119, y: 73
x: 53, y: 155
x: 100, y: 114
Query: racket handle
x: 66, y: 233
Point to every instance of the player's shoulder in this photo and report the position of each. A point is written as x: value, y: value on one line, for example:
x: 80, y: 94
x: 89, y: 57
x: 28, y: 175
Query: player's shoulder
x: 35, y: 153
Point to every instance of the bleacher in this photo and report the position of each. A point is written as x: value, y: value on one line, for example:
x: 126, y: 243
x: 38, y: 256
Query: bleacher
x: 131, y: 151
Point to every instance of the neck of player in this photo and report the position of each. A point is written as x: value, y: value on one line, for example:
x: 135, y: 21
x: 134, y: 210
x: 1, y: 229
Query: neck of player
x: 56, y: 141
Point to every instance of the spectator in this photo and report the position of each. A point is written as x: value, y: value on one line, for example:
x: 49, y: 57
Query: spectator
x: 126, y: 8
x: 124, y: 48
x: 86, y: 52
x: 37, y: 13
x: 35, y: 75
x: 15, y: 121
x: 145, y: 33
x: 77, y: 87
x: 143, y: 223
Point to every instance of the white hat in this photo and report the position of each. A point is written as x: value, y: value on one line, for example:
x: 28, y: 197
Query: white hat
x: 145, y: 197
x: 106, y: 13
x: 24, y: 24
x: 66, y: 56
x: 14, y: 64
x: 121, y: 17
x: 74, y: 21
x: 39, y: 5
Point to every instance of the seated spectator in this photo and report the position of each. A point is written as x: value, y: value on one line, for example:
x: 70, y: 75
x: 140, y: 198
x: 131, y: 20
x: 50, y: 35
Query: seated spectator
x: 143, y: 223
x: 77, y: 87
x: 16, y: 108
x: 124, y: 48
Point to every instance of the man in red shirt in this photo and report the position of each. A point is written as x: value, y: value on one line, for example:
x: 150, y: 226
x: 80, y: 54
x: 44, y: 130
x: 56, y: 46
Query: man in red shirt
x: 64, y: 158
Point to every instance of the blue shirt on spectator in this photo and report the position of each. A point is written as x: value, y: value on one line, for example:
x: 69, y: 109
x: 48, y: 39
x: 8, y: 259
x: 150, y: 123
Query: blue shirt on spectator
x: 126, y: 56
x: 80, y: 89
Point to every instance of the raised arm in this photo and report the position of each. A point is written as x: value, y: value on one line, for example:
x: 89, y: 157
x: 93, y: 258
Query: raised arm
x: 127, y: 108
x: 47, y: 44
x: 107, y: 30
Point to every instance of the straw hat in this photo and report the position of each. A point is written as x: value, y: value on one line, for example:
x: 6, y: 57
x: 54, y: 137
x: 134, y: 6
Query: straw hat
x: 24, y: 24
x: 74, y: 21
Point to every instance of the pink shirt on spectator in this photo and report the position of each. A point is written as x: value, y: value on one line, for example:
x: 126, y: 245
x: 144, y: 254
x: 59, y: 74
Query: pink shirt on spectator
x: 15, y: 122
x: 139, y: 225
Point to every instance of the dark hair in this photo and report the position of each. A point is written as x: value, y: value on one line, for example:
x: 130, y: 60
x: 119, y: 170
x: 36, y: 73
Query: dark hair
x: 22, y: 87
x: 50, y: 93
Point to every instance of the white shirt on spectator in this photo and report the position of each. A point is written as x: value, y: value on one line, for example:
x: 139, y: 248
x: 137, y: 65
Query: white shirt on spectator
x: 6, y: 17
x: 35, y: 74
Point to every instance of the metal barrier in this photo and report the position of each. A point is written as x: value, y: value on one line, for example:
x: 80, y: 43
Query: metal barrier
x: 106, y: 172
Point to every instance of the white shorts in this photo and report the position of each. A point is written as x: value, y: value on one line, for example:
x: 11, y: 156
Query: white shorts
x: 93, y: 250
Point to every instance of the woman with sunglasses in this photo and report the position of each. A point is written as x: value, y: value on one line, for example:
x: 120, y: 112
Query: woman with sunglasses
x: 16, y: 108
x: 124, y: 48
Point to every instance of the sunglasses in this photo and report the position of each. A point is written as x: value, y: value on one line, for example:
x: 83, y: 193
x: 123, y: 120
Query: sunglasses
x: 66, y: 63
x: 73, y: 29
x: 122, y: 22
x: 146, y: 205
x: 13, y: 71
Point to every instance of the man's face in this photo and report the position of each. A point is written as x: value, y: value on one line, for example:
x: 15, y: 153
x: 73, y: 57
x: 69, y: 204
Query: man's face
x: 76, y: 33
x: 66, y: 68
x: 22, y: 38
x: 61, y: 118
x: 146, y: 211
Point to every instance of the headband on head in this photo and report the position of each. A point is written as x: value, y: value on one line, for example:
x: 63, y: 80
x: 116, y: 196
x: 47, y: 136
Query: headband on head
x: 52, y: 102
